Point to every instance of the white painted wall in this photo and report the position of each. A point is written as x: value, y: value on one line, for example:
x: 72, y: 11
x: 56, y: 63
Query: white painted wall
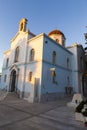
x: 40, y: 67
x: 21, y: 41
x: 62, y: 72
x: 77, y: 71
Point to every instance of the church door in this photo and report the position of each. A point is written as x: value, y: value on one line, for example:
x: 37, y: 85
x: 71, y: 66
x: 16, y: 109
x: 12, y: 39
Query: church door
x: 13, y: 80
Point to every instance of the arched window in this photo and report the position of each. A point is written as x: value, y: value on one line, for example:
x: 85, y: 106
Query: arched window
x: 0, y: 78
x: 21, y: 27
x: 30, y: 77
x: 68, y: 63
x: 7, y: 61
x: 16, y: 54
x: 32, y: 54
x: 68, y: 80
x: 81, y: 63
x: 54, y: 57
x: 57, y: 40
x: 5, y: 78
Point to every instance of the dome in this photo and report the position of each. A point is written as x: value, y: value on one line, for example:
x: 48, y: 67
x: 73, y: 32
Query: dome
x: 56, y: 32
x: 57, y: 36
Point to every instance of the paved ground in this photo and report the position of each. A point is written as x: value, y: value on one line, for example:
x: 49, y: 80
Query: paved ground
x: 16, y: 114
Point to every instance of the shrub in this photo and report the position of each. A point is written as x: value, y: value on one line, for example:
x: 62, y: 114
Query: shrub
x: 85, y: 112
x: 80, y: 107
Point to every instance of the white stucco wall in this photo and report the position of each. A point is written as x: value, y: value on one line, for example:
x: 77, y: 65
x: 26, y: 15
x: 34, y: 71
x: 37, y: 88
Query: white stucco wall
x: 42, y: 64
x: 20, y: 41
x: 77, y: 68
x: 62, y: 72
x: 35, y: 66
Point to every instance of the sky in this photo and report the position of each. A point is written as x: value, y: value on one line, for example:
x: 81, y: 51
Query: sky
x: 69, y: 16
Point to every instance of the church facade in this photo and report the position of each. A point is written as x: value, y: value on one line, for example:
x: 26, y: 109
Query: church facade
x: 40, y: 67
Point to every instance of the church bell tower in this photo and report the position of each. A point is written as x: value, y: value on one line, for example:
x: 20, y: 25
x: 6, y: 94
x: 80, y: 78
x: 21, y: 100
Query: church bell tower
x: 22, y: 25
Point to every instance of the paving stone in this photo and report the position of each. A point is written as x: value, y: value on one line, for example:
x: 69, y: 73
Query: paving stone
x: 9, y: 115
x: 16, y: 114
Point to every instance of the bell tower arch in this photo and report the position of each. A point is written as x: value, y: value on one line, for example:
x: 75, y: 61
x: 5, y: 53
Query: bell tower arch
x: 23, y: 24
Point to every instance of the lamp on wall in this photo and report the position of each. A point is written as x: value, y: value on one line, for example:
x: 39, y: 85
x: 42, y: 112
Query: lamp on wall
x: 53, y: 72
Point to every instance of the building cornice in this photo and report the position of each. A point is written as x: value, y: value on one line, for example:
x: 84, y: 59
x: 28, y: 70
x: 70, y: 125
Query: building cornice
x: 37, y: 36
x: 7, y: 51
x: 53, y: 41
x: 76, y: 45
x: 21, y: 32
x: 18, y: 33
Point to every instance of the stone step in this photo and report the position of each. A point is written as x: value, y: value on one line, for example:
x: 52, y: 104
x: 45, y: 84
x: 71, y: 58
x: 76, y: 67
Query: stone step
x: 12, y: 96
x: 3, y: 94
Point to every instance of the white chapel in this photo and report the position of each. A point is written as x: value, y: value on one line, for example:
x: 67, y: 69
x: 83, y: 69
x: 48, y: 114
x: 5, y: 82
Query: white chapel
x: 41, y: 67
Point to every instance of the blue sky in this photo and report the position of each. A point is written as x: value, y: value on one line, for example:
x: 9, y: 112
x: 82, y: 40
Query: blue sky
x: 69, y: 16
